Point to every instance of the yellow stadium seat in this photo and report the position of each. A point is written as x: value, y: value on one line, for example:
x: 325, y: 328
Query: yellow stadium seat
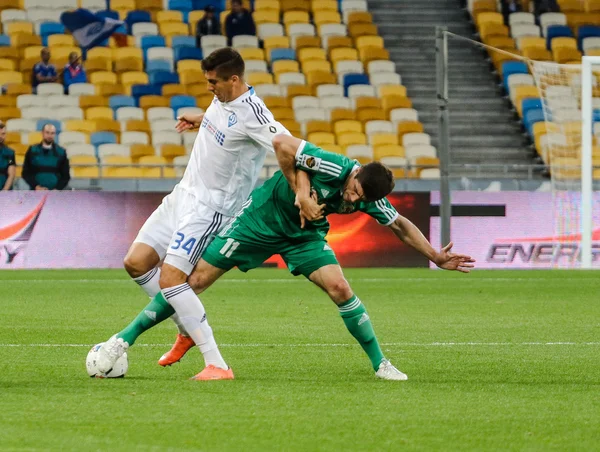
x: 140, y: 150
x: 266, y: 17
x: 99, y: 52
x: 335, y: 42
x: 326, y: 17
x: 527, y: 42
x: 316, y: 66
x: 369, y: 41
x: 571, y: 6
x: 360, y: 17
x: 347, y: 126
x: 7, y: 64
x: 426, y: 162
x: 371, y: 114
x: 84, y: 166
x: 318, y: 126
x: 540, y: 54
x: 8, y: 101
x: 368, y: 54
x: 62, y: 53
x: 34, y: 138
x: 501, y: 42
x: 87, y: 101
x: 276, y: 101
x: 307, y: 41
x: 592, y: 6
x: 223, y: 19
x: 359, y: 29
x: 7, y: 77
x: 295, y: 17
x: 189, y: 65
x: 387, y: 150
x: 563, y: 42
x: 61, y: 41
x: 109, y: 90
x: 134, y: 78
x: 311, y: 53
x: 283, y: 113
x: 99, y: 113
x: 275, y: 42
x: 203, y: 101
x: 336, y: 149
x: 103, y: 78
x: 409, y: 127
x: 564, y: 55
x: 169, y: 16
x: 12, y: 137
x: 188, y: 78
x: 173, y: 89
x: 245, y: 4
x: 127, y: 52
x: 149, y: 5
x: 342, y: 54
x: 80, y: 125
x: 295, y: 5
x: 137, y: 125
x: 21, y: 40
x: 13, y: 28
x: 379, y: 139
x: 265, y: 5
x: 321, y: 139
x: 259, y: 78
x: 367, y: 102
x: 160, y: 169
x: 350, y: 138
x: 524, y: 92
x: 490, y: 30
x: 391, y: 90
x: 170, y: 151
x: 173, y: 28
x: 124, y: 170
x: 323, y: 5
x: 27, y: 64
x: 153, y: 101
x: 122, y: 4
x: 283, y: 66
x: 316, y: 78
x: 193, y: 18
x: 32, y: 52
x: 10, y: 53
x: 129, y: 65
x: 108, y: 125
x: 342, y: 114
x: 15, y: 89
x: 98, y: 64
x: 20, y: 150
x: 250, y: 53
x: 292, y: 126
x: 298, y: 90
x: 489, y: 18
x: 11, y: 4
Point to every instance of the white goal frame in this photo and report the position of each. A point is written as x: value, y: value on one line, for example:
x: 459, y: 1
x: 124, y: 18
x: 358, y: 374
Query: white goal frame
x: 587, y: 123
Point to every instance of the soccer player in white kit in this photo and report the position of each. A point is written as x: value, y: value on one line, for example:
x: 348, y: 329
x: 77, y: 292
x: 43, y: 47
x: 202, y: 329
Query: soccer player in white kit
x: 235, y: 133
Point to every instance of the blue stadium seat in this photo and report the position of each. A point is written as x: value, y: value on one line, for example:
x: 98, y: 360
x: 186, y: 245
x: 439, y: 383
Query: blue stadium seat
x: 108, y: 13
x: 178, y: 102
x: 144, y: 90
x: 596, y: 115
x: 181, y: 5
x: 55, y: 122
x: 163, y: 77
x: 116, y: 102
x: 557, y: 31
x: 219, y: 5
x: 183, y: 41
x: 354, y: 79
x: 187, y: 53
x: 51, y: 28
x: 282, y: 54
x: 587, y: 31
x: 134, y: 17
x: 98, y: 138
x: 147, y: 42
x: 532, y: 116
x: 158, y: 66
x: 5, y: 41
x: 512, y: 67
x: 531, y: 103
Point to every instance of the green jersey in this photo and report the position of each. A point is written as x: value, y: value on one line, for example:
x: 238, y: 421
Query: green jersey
x: 270, y: 210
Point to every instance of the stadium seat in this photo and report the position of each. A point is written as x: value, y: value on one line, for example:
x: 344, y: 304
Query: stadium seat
x: 187, y: 53
x: 415, y: 139
x: 360, y: 152
x: 100, y: 138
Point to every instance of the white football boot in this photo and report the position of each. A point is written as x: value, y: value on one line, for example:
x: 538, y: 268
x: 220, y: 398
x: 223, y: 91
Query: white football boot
x: 387, y: 371
x: 110, y: 352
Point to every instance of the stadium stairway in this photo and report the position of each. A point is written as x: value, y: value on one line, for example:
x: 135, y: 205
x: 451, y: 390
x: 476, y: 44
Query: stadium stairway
x: 482, y: 126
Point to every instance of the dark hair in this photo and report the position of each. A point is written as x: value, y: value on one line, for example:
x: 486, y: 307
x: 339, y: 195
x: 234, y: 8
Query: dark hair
x: 376, y: 180
x: 2, y: 125
x: 226, y: 62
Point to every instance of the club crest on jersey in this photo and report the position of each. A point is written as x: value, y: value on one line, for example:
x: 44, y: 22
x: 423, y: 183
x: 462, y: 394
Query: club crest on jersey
x: 310, y: 162
x: 232, y: 120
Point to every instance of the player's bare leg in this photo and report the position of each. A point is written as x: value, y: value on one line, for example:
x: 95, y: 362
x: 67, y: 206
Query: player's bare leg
x: 331, y: 279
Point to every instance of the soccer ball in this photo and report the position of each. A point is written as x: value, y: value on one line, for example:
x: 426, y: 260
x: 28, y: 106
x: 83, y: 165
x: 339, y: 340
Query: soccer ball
x: 118, y: 371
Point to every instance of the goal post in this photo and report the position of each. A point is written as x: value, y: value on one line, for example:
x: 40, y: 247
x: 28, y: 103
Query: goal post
x: 587, y: 124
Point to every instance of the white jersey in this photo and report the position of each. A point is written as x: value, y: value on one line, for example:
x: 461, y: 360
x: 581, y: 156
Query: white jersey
x: 229, y: 152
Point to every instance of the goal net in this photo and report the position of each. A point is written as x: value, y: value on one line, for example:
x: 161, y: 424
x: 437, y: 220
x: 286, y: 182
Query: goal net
x: 570, y: 95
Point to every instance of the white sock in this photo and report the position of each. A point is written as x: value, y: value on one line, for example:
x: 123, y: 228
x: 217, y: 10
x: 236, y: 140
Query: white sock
x: 149, y: 282
x: 193, y: 317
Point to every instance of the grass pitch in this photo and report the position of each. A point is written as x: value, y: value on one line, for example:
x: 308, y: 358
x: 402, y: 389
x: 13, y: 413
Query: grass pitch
x: 496, y: 361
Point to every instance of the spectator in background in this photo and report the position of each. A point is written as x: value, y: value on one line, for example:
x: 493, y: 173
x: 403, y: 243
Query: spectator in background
x: 509, y: 7
x: 46, y: 166
x: 239, y: 21
x: 208, y: 25
x: 44, y: 71
x: 7, y: 162
x: 545, y: 6
x: 73, y: 72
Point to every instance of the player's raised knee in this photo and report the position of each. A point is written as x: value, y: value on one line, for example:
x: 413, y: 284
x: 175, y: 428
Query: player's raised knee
x: 339, y: 290
x: 134, y: 266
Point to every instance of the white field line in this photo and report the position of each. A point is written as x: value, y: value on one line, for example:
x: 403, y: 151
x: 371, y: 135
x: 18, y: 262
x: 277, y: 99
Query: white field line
x: 388, y: 344
x: 297, y: 280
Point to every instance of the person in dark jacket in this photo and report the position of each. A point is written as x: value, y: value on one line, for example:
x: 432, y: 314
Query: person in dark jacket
x: 46, y: 166
x: 8, y: 165
x: 239, y: 21
x: 208, y: 25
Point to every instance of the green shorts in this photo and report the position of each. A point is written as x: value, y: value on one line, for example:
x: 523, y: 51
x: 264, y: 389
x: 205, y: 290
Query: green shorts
x: 302, y: 258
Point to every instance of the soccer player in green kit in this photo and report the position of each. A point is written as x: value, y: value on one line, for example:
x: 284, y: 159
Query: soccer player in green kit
x: 286, y: 216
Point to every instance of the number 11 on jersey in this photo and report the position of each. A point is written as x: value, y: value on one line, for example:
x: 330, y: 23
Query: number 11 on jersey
x: 229, y: 247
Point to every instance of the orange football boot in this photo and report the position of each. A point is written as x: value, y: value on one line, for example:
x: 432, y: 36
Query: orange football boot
x: 214, y: 373
x: 180, y: 348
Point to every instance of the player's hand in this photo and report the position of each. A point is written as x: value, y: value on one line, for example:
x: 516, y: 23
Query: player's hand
x: 310, y: 209
x: 450, y: 261
x: 188, y: 121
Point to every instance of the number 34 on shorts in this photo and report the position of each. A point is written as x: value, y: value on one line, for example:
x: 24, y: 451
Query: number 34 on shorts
x: 180, y: 242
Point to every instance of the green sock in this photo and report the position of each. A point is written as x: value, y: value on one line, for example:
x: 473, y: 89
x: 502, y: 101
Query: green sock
x: 357, y: 321
x: 157, y: 310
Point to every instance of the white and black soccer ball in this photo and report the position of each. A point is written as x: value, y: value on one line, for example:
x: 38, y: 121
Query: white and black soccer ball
x: 118, y: 371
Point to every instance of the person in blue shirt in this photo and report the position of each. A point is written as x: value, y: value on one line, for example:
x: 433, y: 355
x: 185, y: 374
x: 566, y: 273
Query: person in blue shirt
x: 7, y: 162
x: 44, y: 71
x: 73, y: 72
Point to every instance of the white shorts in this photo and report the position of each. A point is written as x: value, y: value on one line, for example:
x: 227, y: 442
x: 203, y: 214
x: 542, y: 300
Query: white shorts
x: 181, y: 228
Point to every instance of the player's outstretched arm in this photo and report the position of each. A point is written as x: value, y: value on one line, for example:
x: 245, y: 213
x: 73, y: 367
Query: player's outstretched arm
x: 188, y: 121
x: 406, y: 231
